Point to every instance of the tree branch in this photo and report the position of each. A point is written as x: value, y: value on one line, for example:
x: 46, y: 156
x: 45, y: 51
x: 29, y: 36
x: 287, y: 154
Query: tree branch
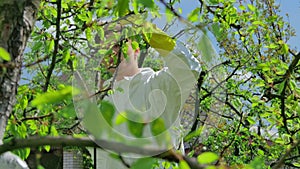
x: 56, y: 45
x: 119, y: 148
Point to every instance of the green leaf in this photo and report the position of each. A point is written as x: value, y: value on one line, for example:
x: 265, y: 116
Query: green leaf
x: 53, y: 131
x: 49, y: 45
x: 135, y: 6
x: 40, y: 167
x: 121, y: 118
x: 217, y: 31
x: 183, y: 165
x: 297, y: 164
x: 37, y: 46
x: 68, y: 112
x: 125, y: 51
x: 83, y: 16
x: 24, y: 103
x: 4, y: 54
x: 194, y: 134
x: 242, y: 7
x: 193, y: 16
x: 66, y: 55
x: 108, y: 111
x: 157, y: 126
x: 237, y: 103
x: 251, y: 7
x: 147, y: 3
x: 161, y: 42
x: 257, y: 163
x: 207, y: 157
x: 88, y: 34
x: 293, y: 84
x: 47, y: 148
x: 134, y: 45
x: 144, y: 163
x: 135, y: 128
x: 260, y: 152
x: 281, y: 86
x: 206, y: 48
x: 285, y: 48
x: 31, y: 124
x: 122, y: 7
x: 250, y: 120
x: 257, y: 23
x: 169, y: 15
x: 272, y: 46
x: 52, y: 96
x: 23, y: 153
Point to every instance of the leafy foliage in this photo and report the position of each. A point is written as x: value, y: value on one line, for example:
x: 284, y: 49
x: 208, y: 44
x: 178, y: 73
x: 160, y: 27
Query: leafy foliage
x: 250, y: 90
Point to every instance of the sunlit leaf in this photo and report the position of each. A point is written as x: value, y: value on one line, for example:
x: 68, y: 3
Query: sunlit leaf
x: 285, y: 48
x: 161, y: 42
x: 53, y: 131
x: 52, y: 96
x: 272, y: 46
x: 121, y: 118
x: 143, y: 163
x: 49, y: 45
x: 107, y: 110
x: 158, y: 126
x: 134, y: 45
x: 217, y: 31
x: 47, y: 148
x: 123, y: 7
x: 207, y: 157
x: 251, y: 7
x: 193, y: 16
x: 242, y: 7
x: 135, y: 128
x: 147, y: 3
x: 183, y: 165
x: 66, y: 55
x: 135, y: 124
x: 4, y: 54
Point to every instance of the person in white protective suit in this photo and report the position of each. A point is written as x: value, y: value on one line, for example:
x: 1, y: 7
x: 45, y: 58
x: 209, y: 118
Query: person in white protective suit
x: 148, y: 97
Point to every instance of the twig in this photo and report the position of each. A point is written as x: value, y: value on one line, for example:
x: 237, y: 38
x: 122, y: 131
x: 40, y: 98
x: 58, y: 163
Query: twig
x: 36, y: 118
x: 56, y: 44
x: 172, y: 10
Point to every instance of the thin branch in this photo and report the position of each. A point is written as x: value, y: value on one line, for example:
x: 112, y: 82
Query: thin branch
x: 56, y: 45
x: 36, y: 118
x: 169, y: 7
x: 123, y: 161
x: 223, y: 81
x: 36, y: 62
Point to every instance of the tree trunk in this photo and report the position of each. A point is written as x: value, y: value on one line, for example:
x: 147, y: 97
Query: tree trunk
x: 17, y: 19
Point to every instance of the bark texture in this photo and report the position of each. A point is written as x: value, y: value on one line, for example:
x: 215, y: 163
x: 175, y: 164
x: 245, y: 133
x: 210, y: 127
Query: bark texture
x: 17, y: 19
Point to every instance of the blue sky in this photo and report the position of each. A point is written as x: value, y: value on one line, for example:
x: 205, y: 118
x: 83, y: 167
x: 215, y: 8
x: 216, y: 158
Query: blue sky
x: 291, y: 7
